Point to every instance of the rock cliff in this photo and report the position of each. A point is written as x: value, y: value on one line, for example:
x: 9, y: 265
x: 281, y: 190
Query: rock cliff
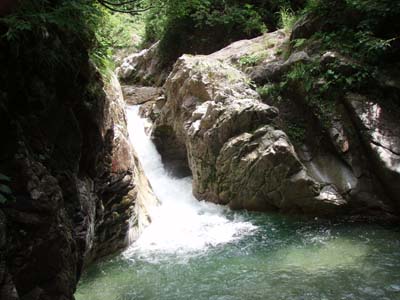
x: 72, y: 188
x: 249, y: 152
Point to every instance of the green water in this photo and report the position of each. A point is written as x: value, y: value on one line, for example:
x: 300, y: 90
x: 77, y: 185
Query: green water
x: 284, y: 258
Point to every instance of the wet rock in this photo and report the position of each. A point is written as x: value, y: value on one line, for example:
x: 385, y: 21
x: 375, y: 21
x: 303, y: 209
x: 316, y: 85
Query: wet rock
x: 381, y: 135
x: 135, y: 95
x: 152, y: 109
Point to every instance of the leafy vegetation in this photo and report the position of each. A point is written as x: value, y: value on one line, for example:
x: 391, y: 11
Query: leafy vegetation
x: 249, y: 60
x: 193, y: 26
x: 364, y: 37
x: 287, y: 18
x: 362, y: 29
x: 38, y: 21
x: 99, y: 30
x: 296, y: 132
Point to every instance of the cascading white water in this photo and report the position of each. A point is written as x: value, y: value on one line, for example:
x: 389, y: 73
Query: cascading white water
x: 181, y: 224
x: 196, y: 250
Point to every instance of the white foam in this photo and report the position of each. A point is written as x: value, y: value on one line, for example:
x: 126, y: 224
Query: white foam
x: 181, y: 223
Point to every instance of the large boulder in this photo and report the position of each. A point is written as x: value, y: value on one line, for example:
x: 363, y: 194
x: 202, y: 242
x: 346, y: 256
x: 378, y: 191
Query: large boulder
x: 135, y: 95
x: 144, y: 68
x: 273, y: 71
x: 378, y: 126
x: 234, y: 148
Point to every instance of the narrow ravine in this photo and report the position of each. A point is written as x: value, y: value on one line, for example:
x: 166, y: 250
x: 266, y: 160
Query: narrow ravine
x: 181, y: 224
x: 196, y: 250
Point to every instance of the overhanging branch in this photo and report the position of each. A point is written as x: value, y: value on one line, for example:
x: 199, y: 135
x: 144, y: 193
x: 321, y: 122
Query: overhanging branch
x: 127, y: 6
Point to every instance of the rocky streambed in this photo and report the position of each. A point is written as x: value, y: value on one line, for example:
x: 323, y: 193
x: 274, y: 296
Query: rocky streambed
x: 206, y: 138
x: 198, y: 250
x: 249, y: 152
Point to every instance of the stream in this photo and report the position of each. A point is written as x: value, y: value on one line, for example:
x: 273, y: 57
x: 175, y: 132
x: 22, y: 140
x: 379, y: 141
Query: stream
x: 197, y: 250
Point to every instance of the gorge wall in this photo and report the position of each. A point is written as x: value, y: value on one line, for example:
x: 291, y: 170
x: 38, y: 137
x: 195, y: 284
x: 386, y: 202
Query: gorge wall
x: 71, y: 185
x: 240, y: 121
x: 276, y: 151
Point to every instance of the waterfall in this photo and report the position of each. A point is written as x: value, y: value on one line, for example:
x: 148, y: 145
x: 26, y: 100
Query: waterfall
x: 181, y: 224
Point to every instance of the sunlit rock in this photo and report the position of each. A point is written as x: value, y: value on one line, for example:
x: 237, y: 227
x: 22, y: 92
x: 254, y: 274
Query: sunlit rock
x: 235, y: 150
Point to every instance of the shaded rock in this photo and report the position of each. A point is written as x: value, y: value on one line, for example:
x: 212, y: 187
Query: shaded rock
x: 328, y: 169
x: 332, y: 154
x: 266, y: 173
x: 75, y: 201
x: 305, y: 27
x: 134, y: 95
x: 381, y: 136
x: 7, y: 287
x: 152, y: 109
x: 342, y: 64
x: 273, y: 71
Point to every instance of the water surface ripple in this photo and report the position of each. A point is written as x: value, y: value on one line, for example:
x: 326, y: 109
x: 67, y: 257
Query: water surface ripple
x: 196, y: 250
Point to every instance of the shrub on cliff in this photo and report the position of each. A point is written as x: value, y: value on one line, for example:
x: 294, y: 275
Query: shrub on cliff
x: 98, y: 30
x: 193, y: 26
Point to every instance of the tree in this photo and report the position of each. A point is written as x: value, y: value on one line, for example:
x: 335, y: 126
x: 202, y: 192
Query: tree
x: 126, y: 6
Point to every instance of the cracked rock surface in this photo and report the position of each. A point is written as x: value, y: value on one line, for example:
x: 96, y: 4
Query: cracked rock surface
x: 233, y: 146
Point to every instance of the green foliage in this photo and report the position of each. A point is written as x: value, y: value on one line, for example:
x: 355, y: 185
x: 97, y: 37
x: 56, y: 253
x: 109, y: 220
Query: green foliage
x: 249, y: 60
x: 359, y: 45
x: 204, y: 26
x: 116, y: 30
x: 36, y: 17
x: 323, y: 84
x: 271, y: 92
x: 113, y: 32
x: 194, y: 26
x: 155, y: 23
x: 298, y: 43
x: 296, y: 132
x: 41, y: 21
x: 287, y: 19
x: 85, y: 22
x: 365, y: 30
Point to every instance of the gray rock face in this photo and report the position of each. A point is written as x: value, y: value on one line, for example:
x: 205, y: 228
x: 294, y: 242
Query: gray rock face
x: 356, y: 168
x: 135, y: 95
x: 233, y: 146
x: 273, y: 71
x: 214, y: 123
x: 211, y: 123
x: 306, y: 26
x: 143, y: 68
x: 110, y: 205
x: 380, y: 133
x: 74, y: 204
